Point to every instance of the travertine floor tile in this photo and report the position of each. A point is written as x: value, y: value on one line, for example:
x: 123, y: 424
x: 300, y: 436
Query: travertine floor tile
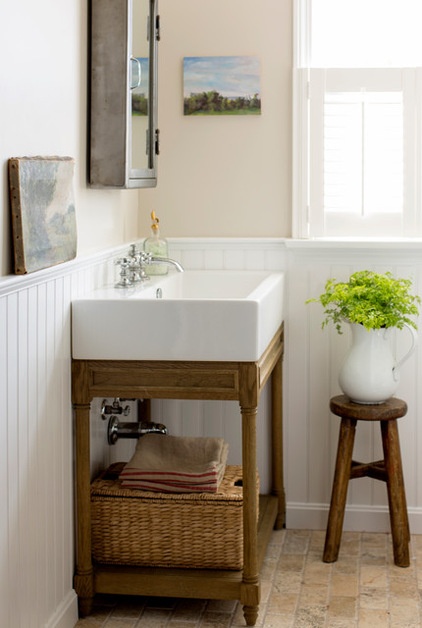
x: 342, y: 607
x: 215, y: 620
x: 115, y: 622
x: 296, y: 542
x: 373, y: 576
x: 317, y: 572
x: 126, y: 611
x: 373, y: 598
x: 350, y: 544
x: 341, y: 623
x: 310, y: 617
x: 278, y: 621
x: 283, y: 603
x: 188, y: 610
x: 289, y: 563
x: 313, y: 594
x: 346, y: 565
x: 363, y: 589
x: 344, y: 585
x: 369, y: 618
x: 153, y: 618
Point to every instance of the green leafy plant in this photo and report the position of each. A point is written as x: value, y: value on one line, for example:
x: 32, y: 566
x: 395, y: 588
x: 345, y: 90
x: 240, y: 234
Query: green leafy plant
x: 371, y: 299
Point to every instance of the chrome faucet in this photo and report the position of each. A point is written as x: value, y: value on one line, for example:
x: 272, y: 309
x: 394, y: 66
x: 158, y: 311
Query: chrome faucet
x: 133, y: 267
x: 167, y: 260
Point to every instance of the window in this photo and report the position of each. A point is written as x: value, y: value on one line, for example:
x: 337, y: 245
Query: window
x: 363, y: 152
x: 357, y: 127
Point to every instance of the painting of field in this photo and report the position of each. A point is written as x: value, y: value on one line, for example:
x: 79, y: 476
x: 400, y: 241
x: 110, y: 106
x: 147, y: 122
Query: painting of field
x: 215, y: 86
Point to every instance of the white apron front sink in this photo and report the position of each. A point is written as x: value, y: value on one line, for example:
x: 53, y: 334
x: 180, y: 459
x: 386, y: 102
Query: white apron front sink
x: 193, y: 316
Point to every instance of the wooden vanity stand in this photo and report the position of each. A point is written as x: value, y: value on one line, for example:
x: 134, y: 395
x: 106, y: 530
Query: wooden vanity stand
x: 242, y: 381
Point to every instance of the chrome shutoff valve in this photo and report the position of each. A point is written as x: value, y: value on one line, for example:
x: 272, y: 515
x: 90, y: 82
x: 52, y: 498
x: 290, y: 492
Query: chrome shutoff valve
x: 134, y: 429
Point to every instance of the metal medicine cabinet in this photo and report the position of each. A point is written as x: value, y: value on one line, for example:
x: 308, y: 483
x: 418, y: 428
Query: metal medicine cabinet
x: 123, y: 93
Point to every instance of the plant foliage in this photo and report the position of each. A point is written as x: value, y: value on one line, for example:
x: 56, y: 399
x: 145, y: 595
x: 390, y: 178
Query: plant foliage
x: 371, y: 299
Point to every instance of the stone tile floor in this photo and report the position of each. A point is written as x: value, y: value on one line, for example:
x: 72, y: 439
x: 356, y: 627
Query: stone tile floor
x: 362, y: 589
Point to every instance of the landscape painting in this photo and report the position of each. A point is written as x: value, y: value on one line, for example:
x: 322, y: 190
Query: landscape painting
x: 215, y: 86
x: 43, y: 211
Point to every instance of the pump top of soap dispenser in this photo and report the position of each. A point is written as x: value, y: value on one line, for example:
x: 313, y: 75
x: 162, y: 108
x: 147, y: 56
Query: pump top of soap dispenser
x: 157, y: 246
x: 155, y: 229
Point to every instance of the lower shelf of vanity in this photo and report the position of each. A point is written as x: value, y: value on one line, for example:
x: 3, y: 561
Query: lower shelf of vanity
x: 185, y: 583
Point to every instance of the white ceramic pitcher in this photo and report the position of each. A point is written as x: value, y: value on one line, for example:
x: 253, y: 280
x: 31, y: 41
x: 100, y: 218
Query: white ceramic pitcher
x: 370, y: 373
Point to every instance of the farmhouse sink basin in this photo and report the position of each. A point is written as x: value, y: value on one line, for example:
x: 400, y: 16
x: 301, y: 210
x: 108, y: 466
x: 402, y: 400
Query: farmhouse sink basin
x: 195, y: 315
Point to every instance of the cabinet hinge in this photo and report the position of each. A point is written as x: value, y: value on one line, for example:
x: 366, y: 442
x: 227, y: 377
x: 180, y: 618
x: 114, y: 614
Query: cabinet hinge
x: 157, y: 28
x: 157, y: 141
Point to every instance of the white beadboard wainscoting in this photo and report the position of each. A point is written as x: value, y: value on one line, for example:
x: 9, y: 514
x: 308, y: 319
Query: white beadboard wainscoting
x: 36, y: 448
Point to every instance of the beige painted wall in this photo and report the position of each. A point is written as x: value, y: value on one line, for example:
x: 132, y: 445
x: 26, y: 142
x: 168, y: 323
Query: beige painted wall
x: 218, y: 176
x: 224, y: 176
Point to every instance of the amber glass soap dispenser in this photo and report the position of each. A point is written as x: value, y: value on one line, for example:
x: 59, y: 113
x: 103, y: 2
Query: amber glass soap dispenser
x: 157, y: 246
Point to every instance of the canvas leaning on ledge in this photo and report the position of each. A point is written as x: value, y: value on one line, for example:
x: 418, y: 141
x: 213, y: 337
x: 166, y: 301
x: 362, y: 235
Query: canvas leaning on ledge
x: 43, y: 211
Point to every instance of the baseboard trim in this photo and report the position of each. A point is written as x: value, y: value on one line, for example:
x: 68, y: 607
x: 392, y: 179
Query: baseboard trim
x: 66, y: 614
x: 302, y: 516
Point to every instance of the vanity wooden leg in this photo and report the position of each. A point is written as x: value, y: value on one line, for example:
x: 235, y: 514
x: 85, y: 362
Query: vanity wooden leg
x: 250, y: 590
x: 250, y: 613
x: 277, y: 442
x: 84, y: 576
x: 85, y: 600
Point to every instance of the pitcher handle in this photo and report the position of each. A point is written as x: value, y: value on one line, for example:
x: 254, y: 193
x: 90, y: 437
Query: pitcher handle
x: 414, y: 337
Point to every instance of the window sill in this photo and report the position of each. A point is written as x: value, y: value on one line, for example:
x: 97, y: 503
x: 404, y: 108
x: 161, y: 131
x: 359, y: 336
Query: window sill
x: 355, y: 243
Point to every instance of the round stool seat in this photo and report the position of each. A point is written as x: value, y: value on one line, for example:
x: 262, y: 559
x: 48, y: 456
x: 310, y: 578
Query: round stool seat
x: 391, y: 409
x: 388, y: 470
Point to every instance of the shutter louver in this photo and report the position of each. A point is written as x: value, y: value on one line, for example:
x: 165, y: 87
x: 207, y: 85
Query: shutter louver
x: 363, y: 152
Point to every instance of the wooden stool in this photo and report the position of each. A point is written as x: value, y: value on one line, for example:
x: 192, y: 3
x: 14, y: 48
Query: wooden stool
x: 388, y: 470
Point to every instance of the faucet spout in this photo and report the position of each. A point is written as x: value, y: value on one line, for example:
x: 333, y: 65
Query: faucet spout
x: 167, y: 260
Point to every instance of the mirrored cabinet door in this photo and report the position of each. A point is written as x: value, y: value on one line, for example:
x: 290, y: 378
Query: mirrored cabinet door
x: 123, y: 99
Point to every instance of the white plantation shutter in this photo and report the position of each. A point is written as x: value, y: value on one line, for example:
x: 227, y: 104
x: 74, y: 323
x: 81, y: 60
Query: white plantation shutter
x: 362, y: 152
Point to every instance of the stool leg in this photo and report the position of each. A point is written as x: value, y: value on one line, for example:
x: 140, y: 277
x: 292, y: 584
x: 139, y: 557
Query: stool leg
x: 339, y: 491
x: 396, y: 493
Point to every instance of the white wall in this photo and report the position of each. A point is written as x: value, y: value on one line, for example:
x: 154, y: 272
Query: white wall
x: 43, y: 77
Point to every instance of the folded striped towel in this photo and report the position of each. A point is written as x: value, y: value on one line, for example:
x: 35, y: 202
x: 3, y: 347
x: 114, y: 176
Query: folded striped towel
x: 176, y: 464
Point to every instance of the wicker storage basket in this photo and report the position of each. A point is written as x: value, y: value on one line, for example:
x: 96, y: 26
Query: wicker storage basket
x: 144, y: 528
